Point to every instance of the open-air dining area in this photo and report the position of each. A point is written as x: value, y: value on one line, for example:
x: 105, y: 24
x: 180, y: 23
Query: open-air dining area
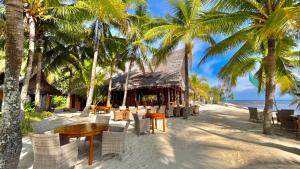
x: 227, y: 137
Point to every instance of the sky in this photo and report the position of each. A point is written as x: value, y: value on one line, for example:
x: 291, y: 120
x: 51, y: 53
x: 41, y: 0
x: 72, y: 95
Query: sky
x: 244, y: 89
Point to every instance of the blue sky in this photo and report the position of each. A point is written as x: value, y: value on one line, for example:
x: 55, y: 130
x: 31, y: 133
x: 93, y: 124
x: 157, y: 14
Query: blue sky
x: 243, y: 91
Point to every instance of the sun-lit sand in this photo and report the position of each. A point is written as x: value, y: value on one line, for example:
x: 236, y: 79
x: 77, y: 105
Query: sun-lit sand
x: 219, y: 137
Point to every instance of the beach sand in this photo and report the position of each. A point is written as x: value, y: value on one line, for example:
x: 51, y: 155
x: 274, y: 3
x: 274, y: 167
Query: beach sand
x: 220, y: 137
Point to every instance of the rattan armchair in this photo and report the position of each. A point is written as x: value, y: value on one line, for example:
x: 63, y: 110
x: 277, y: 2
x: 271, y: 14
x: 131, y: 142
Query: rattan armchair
x: 99, y: 119
x: 118, y: 115
x: 48, y: 154
x: 132, y: 110
x: 177, y: 111
x: 162, y: 109
x: 170, y: 112
x: 286, y: 120
x: 141, y: 125
x: 113, y: 141
x: 254, y: 115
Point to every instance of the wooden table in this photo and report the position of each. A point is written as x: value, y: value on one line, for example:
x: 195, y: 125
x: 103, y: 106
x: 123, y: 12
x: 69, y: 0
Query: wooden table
x: 83, y: 130
x: 154, y: 117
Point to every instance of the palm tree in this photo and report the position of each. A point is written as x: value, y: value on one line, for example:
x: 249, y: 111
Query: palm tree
x: 113, y: 58
x: 200, y: 86
x: 138, y: 49
x: 38, y: 16
x: 103, y: 11
x: 249, y: 25
x: 11, y: 138
x: 182, y: 27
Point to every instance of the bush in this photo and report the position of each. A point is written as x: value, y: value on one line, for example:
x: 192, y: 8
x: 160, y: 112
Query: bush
x: 59, y: 101
x: 30, y: 117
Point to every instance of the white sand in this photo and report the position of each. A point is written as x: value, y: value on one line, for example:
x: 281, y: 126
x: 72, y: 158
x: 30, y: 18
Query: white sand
x: 219, y: 138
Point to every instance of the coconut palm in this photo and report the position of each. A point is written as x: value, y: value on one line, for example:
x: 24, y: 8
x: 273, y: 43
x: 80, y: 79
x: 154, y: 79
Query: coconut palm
x: 102, y: 11
x: 138, y: 48
x: 114, y: 55
x: 183, y: 26
x: 39, y: 17
x: 250, y: 24
x: 11, y: 138
x: 200, y: 86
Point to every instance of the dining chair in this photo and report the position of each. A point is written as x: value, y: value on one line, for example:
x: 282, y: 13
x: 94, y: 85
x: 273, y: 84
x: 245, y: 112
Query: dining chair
x: 113, y: 140
x: 49, y: 154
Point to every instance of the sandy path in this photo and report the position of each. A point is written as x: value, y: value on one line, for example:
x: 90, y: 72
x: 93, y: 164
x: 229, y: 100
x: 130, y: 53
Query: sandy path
x: 219, y: 138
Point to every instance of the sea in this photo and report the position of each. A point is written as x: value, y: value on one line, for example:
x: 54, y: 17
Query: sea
x: 281, y: 104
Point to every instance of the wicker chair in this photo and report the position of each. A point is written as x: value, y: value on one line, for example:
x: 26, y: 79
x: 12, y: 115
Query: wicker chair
x: 118, y: 115
x: 140, y: 107
x: 162, y: 109
x: 177, y: 111
x: 286, y: 120
x: 142, y: 112
x: 141, y: 125
x: 102, y: 119
x: 254, y: 115
x: 196, y: 109
x: 48, y: 154
x: 132, y: 110
x: 99, y: 119
x: 154, y: 109
x: 113, y: 141
x: 170, y: 112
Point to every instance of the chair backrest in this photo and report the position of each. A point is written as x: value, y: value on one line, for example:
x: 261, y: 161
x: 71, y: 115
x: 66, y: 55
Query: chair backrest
x: 153, y: 109
x: 253, y: 113
x: 41, y: 127
x: 142, y: 112
x: 286, y: 112
x: 132, y: 109
x: 162, y: 109
x: 126, y: 126
x: 140, y: 107
x: 46, y: 150
x: 102, y: 119
x: 122, y: 107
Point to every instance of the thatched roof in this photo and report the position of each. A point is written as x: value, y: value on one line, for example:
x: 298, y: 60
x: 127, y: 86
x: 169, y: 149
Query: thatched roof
x: 168, y: 74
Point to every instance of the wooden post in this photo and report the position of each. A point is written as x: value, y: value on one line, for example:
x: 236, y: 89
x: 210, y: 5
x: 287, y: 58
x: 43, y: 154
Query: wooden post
x: 168, y: 104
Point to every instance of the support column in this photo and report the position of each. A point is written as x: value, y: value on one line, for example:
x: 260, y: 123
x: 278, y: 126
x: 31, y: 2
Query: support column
x: 168, y: 104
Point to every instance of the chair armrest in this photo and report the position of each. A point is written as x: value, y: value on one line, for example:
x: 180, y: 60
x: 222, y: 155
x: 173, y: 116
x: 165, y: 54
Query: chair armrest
x: 69, y: 154
x: 69, y: 148
x: 116, y: 129
x: 145, y: 121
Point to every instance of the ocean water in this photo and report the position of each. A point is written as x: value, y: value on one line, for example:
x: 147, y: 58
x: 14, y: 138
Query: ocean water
x: 281, y: 104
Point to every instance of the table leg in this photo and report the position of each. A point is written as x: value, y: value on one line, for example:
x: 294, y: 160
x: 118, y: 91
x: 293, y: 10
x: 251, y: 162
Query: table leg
x: 155, y: 123
x: 164, y: 124
x: 91, y: 150
x: 152, y: 121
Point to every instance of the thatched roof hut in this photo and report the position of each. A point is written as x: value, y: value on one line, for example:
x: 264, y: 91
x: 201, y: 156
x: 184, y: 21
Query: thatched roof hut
x: 166, y: 75
x: 165, y: 83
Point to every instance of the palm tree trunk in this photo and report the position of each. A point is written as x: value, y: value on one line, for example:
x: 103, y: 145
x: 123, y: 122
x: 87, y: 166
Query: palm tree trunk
x: 109, y: 89
x: 24, y: 90
x: 270, y: 86
x: 11, y: 137
x: 186, y: 81
x: 126, y: 84
x: 37, y: 100
x: 86, y: 110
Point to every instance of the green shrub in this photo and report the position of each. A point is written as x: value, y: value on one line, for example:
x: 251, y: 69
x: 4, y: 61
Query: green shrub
x: 30, y: 117
x: 59, y: 101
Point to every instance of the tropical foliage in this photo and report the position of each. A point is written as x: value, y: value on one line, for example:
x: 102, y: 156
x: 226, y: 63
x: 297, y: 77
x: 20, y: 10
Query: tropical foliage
x: 257, y: 29
x: 183, y: 26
